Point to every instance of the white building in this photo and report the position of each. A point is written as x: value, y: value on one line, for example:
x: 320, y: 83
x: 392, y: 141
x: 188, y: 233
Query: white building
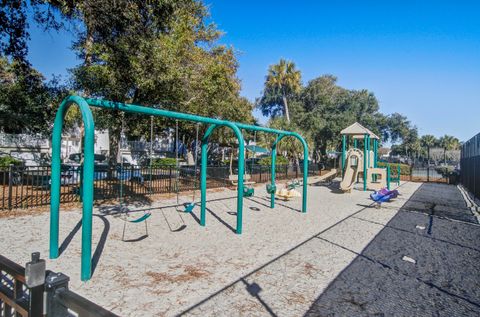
x: 36, y: 150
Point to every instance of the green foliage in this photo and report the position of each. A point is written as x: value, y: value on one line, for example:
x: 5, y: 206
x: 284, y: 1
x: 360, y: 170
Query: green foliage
x: 26, y: 101
x: 428, y: 141
x: 168, y: 161
x: 449, y: 142
x: 283, y: 82
x: 169, y: 60
x: 404, y: 168
x: 267, y: 161
x: 5, y: 161
x: 14, y: 25
x: 13, y: 29
x: 445, y: 170
x: 326, y: 108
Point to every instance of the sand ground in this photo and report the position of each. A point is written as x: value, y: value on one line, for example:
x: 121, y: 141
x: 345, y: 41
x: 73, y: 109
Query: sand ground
x: 279, y: 265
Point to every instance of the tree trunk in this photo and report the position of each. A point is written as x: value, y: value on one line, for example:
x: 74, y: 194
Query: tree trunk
x: 114, y: 148
x: 285, y: 108
x: 87, y: 62
x: 297, y: 162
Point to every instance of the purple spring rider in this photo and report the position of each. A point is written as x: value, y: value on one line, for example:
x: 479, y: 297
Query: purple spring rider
x: 383, y: 195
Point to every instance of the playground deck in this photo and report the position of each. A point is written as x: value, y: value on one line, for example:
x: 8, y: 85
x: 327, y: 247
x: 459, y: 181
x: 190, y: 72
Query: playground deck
x: 341, y: 257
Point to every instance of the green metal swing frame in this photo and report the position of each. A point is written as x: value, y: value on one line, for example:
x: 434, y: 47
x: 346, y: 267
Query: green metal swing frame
x: 87, y: 185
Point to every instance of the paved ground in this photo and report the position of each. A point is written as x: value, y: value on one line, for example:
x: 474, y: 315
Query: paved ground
x: 443, y: 281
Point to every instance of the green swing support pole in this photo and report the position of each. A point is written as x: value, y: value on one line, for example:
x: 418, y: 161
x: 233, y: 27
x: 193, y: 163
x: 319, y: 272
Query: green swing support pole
x: 365, y: 157
x: 203, y: 175
x: 305, y: 168
x: 388, y: 177
x: 272, y: 172
x: 87, y: 184
x: 344, y: 149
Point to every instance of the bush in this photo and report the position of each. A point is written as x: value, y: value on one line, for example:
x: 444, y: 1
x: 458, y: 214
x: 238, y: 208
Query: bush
x: 281, y: 160
x: 445, y: 170
x: 404, y: 168
x: 5, y: 161
x: 159, y: 162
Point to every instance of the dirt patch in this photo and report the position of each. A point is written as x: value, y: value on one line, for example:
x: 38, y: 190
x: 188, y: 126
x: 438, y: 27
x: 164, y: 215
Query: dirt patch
x: 296, y: 298
x: 309, y: 269
x: 190, y: 273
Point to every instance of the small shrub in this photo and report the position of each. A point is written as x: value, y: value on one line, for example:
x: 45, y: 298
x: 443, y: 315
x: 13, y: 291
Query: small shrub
x: 404, y: 168
x: 281, y: 160
x: 445, y: 170
x: 5, y: 161
x: 169, y: 161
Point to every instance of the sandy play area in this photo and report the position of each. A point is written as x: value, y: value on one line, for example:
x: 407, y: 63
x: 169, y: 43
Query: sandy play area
x: 279, y: 265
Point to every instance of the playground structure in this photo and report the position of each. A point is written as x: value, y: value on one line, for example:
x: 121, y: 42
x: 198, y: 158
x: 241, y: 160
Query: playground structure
x: 88, y: 166
x: 355, y: 161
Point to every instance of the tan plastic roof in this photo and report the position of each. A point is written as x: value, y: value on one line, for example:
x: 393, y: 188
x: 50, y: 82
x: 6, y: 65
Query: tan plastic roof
x: 358, y: 131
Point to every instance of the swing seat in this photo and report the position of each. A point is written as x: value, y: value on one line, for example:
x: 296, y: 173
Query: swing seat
x: 294, y: 184
x: 248, y: 191
x: 189, y: 207
x: 140, y: 219
x: 287, y: 194
x: 271, y: 188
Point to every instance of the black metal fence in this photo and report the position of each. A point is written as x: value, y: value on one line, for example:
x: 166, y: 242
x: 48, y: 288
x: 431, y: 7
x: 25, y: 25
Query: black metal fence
x: 430, y: 174
x: 22, y: 187
x: 38, y: 292
x: 470, y: 165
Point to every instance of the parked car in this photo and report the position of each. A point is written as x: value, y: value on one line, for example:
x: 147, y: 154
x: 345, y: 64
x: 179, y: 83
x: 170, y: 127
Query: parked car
x: 70, y: 172
x: 128, y: 172
x: 76, y: 158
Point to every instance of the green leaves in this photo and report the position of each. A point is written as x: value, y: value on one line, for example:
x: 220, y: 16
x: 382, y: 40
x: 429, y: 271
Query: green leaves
x: 27, y: 102
x: 449, y: 142
x: 161, y: 54
x: 283, y: 82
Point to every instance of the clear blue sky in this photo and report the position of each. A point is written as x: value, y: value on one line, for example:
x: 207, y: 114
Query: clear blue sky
x: 420, y: 58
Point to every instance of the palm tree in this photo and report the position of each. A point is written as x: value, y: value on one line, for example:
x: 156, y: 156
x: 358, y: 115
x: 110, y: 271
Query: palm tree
x: 448, y: 142
x: 284, y: 79
x: 428, y: 141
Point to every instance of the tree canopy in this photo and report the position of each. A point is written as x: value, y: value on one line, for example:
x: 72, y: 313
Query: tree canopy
x: 159, y: 53
x: 166, y: 54
x: 27, y: 102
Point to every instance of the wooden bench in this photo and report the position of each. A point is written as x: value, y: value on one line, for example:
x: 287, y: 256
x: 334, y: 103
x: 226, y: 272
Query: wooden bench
x: 246, y: 179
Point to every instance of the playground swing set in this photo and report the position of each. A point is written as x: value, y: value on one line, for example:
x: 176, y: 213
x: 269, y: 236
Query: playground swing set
x: 87, y: 184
